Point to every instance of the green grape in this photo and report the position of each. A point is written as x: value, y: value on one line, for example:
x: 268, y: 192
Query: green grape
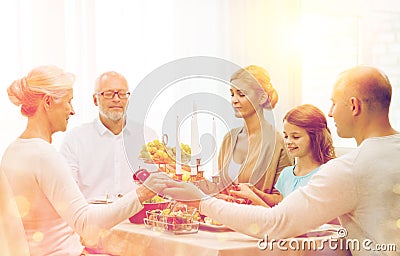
x: 155, y: 199
x: 166, y: 211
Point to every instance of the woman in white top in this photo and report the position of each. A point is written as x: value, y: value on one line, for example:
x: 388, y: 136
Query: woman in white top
x: 55, y: 215
x: 12, y: 235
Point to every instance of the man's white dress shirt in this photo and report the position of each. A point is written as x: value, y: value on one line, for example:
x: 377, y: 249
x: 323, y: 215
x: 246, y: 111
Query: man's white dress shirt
x: 98, y: 160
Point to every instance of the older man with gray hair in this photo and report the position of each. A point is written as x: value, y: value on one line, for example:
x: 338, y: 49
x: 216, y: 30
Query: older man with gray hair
x: 95, y: 151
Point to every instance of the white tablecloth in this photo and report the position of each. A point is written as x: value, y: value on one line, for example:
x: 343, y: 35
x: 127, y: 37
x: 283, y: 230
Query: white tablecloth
x: 132, y: 239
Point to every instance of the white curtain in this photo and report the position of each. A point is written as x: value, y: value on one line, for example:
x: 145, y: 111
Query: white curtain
x: 88, y: 37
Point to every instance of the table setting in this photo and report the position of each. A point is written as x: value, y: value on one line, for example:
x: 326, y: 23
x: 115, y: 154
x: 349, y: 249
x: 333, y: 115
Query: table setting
x: 168, y: 227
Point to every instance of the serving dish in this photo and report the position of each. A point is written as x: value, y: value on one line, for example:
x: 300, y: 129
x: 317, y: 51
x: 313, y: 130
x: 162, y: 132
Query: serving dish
x: 178, y: 224
x: 139, y: 217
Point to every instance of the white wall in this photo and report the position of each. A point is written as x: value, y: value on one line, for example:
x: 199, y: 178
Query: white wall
x: 135, y: 37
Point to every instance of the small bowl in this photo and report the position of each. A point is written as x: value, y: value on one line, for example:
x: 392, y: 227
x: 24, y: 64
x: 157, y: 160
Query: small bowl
x: 138, y: 217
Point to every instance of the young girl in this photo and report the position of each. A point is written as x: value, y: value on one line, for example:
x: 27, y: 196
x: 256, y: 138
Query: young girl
x: 308, y: 139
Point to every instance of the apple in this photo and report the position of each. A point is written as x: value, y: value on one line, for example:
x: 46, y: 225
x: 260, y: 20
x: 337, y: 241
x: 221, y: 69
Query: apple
x: 141, y: 175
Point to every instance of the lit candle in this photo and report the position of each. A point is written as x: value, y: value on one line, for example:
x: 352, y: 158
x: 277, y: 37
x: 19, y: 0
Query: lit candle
x: 214, y: 135
x: 195, y: 145
x: 178, y: 167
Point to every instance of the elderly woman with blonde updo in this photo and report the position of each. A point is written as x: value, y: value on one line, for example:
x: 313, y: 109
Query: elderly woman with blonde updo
x: 253, y: 155
x: 54, y: 213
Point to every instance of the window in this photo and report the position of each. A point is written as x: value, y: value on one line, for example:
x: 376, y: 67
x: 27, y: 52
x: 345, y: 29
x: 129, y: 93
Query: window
x: 334, y: 40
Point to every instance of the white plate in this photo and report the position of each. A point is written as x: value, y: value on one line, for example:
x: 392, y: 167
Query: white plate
x: 324, y: 230
x: 214, y: 228
x: 100, y: 201
x: 318, y: 233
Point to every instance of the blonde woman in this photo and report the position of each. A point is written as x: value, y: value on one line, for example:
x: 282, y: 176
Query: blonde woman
x: 255, y: 152
x: 54, y: 213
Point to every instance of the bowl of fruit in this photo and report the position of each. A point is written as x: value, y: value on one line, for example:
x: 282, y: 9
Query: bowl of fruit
x: 154, y: 203
x: 177, y: 219
x: 157, y: 152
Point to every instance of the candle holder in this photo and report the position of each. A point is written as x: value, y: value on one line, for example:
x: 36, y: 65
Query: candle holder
x: 193, y: 178
x: 200, y: 173
x: 163, y: 167
x: 178, y: 176
x: 215, y: 179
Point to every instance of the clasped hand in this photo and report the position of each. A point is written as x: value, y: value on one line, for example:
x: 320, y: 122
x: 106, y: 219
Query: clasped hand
x: 242, y: 193
x: 188, y: 193
x: 160, y: 183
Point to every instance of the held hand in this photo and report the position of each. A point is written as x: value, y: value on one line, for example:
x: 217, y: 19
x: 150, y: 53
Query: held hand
x: 232, y: 186
x: 243, y: 191
x: 157, y: 181
x: 153, y: 185
x: 184, y: 192
x: 226, y: 197
x: 246, y: 191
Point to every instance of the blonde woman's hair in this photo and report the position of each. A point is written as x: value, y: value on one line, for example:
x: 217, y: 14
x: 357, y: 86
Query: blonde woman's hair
x: 261, y: 80
x: 28, y: 91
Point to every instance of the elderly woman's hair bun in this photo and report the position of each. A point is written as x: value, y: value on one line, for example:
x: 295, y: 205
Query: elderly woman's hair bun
x: 16, y: 91
x: 43, y: 80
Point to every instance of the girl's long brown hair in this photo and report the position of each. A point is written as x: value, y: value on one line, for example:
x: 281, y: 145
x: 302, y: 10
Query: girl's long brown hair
x: 313, y: 120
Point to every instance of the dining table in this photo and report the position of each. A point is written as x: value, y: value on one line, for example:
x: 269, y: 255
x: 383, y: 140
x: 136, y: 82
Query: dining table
x: 136, y: 239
